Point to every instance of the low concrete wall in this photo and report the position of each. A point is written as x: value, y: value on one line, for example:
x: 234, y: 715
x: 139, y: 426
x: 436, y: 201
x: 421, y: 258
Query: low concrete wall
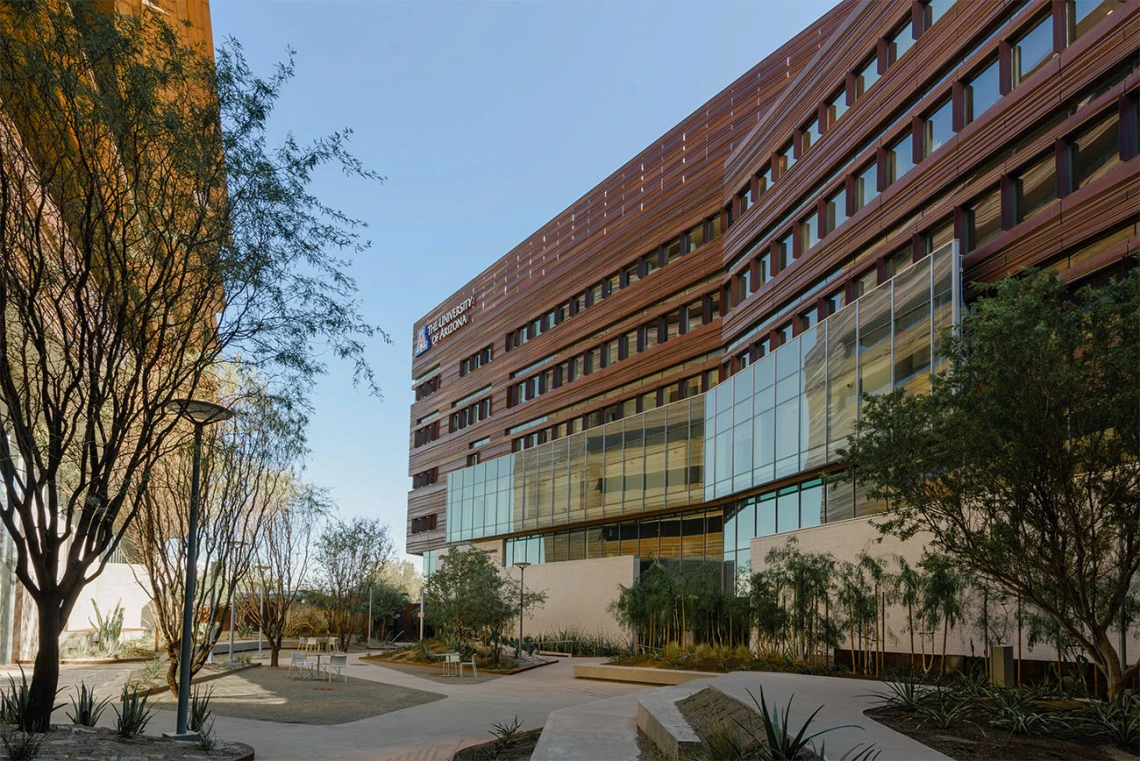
x: 638, y: 674
x: 578, y: 594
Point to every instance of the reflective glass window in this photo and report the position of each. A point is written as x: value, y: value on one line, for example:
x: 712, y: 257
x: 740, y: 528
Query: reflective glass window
x: 1036, y: 186
x: 1096, y: 151
x: 867, y: 76
x: 809, y: 231
x: 866, y: 185
x: 981, y: 92
x: 788, y: 510
x: 811, y: 135
x: 935, y: 9
x: 837, y: 209
x: 836, y: 107
x: 899, y: 42
x: 1032, y: 50
x: 938, y: 128
x: 983, y: 220
x: 1083, y: 15
x: 900, y: 159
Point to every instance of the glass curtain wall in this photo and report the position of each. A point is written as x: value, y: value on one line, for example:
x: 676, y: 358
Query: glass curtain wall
x: 785, y: 415
x: 793, y: 409
x: 643, y: 463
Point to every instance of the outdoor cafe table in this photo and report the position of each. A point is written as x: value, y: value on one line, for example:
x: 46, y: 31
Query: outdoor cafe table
x: 446, y: 663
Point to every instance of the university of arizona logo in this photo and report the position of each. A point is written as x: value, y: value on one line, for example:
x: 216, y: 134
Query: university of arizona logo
x: 422, y: 342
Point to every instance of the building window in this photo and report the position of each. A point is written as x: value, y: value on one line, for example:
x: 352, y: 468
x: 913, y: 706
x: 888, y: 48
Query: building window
x: 427, y: 388
x: 866, y: 76
x: 837, y: 209
x: 866, y: 185
x: 672, y: 251
x: 809, y: 232
x: 475, y: 361
x: 784, y: 252
x: 900, y: 159
x: 785, y: 158
x: 808, y: 319
x: 810, y: 136
x: 1095, y: 151
x: 898, y: 261
x: 1032, y: 50
x: 836, y: 107
x: 694, y: 239
x: 900, y: 41
x: 745, y: 198
x: 981, y: 92
x: 833, y: 303
x: 1035, y: 187
x: 983, y: 220
x: 764, y: 267
x: 938, y: 128
x: 1083, y: 15
x: 934, y: 10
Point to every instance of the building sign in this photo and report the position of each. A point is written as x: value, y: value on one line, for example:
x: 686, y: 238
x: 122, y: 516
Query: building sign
x: 443, y: 326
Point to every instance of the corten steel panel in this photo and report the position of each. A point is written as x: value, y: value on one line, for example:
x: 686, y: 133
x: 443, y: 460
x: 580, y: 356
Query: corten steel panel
x: 974, y: 159
x: 652, y: 198
x: 724, y: 143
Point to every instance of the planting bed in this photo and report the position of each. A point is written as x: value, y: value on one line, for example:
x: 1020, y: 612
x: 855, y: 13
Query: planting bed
x: 978, y: 740
x: 520, y: 751
x: 71, y: 743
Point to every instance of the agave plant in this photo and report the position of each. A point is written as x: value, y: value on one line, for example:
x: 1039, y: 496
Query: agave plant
x: 85, y: 710
x: 779, y: 744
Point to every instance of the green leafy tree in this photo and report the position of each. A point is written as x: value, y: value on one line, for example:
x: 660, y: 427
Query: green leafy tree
x: 149, y: 228
x: 470, y: 598
x: 348, y: 554
x: 1023, y: 462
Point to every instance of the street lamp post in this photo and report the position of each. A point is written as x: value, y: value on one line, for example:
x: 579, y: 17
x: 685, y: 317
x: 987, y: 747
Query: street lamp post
x: 233, y: 609
x: 200, y: 414
x: 522, y: 566
x: 369, y: 615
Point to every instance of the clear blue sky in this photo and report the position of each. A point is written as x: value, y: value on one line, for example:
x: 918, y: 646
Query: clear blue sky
x: 487, y: 118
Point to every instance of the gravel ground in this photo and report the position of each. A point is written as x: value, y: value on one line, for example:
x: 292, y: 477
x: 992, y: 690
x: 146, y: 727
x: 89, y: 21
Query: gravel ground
x: 273, y: 695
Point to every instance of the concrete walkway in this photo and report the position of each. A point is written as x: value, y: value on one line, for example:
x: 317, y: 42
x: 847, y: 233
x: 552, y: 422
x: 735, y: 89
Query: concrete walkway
x: 843, y: 701
x: 430, y: 732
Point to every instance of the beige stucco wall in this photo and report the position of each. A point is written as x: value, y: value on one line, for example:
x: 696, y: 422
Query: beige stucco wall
x: 578, y: 593
x: 846, y: 539
x: 117, y: 585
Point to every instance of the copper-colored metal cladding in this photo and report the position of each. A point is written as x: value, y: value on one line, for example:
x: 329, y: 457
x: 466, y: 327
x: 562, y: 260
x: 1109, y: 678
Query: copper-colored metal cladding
x: 696, y: 173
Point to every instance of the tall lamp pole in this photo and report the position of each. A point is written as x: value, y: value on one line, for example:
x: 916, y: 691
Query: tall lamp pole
x: 200, y: 414
x: 522, y: 566
x: 233, y: 609
x: 369, y: 615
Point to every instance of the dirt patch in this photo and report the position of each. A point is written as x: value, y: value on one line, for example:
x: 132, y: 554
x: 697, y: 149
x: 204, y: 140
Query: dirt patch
x: 405, y: 658
x: 980, y: 741
x: 66, y: 742
x: 721, y: 720
x: 269, y: 694
x: 520, y: 751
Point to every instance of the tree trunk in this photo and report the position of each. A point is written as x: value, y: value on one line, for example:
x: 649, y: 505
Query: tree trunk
x: 910, y: 625
x: 1113, y: 674
x: 172, y: 671
x: 275, y: 652
x: 945, y: 634
x: 45, y: 676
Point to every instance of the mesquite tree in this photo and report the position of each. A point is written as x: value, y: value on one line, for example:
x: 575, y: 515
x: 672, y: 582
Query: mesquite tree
x: 245, y: 481
x: 281, y: 562
x: 1023, y: 462
x: 148, y: 229
x: 348, y: 554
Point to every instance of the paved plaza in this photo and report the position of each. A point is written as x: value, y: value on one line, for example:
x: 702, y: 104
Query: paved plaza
x: 428, y: 732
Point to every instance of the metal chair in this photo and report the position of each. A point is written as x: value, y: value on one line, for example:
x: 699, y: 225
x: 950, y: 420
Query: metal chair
x: 334, y: 644
x: 301, y: 662
x: 449, y: 660
x: 338, y: 663
x: 474, y: 670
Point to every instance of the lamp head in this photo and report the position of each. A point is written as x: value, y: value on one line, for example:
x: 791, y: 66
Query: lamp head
x: 199, y: 412
x: 522, y: 564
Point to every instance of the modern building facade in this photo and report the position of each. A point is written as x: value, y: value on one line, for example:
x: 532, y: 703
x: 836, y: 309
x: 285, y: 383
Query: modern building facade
x: 669, y: 367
